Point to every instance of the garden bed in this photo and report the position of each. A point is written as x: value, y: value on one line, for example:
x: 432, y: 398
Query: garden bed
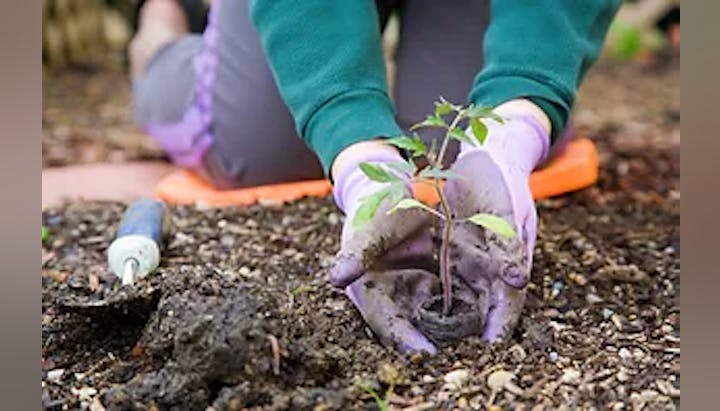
x: 240, y: 314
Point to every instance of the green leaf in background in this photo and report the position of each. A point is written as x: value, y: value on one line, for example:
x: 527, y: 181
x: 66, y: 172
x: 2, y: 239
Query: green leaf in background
x: 431, y: 172
x: 479, y: 129
x: 376, y: 172
x: 368, y: 207
x: 459, y: 134
x: 626, y: 41
x: 493, y: 223
x: 45, y: 233
x: 430, y: 121
x: 414, y: 144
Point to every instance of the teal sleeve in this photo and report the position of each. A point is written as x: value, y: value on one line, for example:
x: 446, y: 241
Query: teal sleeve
x: 541, y: 50
x: 327, y: 60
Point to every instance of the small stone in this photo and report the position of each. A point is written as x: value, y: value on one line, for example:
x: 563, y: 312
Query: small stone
x: 333, y: 219
x: 495, y: 408
x: 96, y: 405
x: 289, y: 252
x: 55, y: 375
x: 416, y: 357
x: 335, y: 305
x: 622, y: 375
x: 578, y: 279
x: 457, y: 378
x: 625, y: 354
x: 518, y: 352
x: 416, y: 391
x: 551, y: 313
x: 84, y: 393
x: 649, y: 395
x: 570, y: 376
x: 427, y: 379
x: 462, y: 403
x: 497, y: 380
x: 227, y: 241
x: 244, y: 271
x: 593, y: 298
x: 553, y: 356
x: 667, y: 388
x: 607, y: 313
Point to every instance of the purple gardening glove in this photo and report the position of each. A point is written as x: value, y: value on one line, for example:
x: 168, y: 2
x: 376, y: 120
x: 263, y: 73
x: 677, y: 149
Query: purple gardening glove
x: 496, y: 180
x: 386, y: 266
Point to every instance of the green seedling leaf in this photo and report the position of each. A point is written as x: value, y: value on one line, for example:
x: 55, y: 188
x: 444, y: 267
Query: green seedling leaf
x: 45, y: 233
x: 405, y: 167
x: 459, y: 134
x: 442, y: 108
x: 454, y: 107
x: 377, y: 172
x: 479, y: 129
x: 368, y: 207
x: 484, y: 112
x: 430, y: 121
x: 434, y: 172
x: 301, y: 289
x: 381, y: 404
x: 407, y: 203
x: 413, y: 144
x: 493, y: 223
x: 397, y: 192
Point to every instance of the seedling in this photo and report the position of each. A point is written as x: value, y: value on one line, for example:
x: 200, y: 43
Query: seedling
x: 380, y: 402
x: 434, y: 175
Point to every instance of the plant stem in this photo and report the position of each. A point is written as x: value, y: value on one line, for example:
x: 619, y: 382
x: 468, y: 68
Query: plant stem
x: 446, y: 140
x: 445, y: 277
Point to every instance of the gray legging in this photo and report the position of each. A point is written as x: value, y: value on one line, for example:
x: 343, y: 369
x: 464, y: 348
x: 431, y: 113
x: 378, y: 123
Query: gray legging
x: 211, y: 102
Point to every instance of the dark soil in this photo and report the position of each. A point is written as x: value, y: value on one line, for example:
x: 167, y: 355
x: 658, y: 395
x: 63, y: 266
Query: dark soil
x: 464, y: 319
x: 240, y: 315
x: 601, y: 324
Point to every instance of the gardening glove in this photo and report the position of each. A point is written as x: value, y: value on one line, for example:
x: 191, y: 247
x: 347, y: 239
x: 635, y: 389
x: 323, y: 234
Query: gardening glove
x: 495, y: 180
x: 385, y: 266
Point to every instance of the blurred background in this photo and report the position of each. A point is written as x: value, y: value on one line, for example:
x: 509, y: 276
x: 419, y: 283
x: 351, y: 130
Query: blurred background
x: 630, y: 97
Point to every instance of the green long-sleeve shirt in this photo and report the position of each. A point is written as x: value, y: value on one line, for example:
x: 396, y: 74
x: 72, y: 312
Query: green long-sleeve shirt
x: 327, y: 60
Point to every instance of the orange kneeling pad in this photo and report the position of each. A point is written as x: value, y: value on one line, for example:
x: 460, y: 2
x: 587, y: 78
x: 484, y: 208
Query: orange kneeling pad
x: 575, y: 168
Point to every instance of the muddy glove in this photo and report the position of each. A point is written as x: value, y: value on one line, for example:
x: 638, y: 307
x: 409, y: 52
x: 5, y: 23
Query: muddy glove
x: 496, y: 180
x: 380, y: 264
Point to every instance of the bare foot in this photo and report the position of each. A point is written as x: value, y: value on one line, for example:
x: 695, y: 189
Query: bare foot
x: 102, y: 181
x: 161, y: 21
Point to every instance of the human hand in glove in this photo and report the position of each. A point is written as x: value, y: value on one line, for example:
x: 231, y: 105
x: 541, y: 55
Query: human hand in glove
x: 385, y: 265
x: 496, y: 181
